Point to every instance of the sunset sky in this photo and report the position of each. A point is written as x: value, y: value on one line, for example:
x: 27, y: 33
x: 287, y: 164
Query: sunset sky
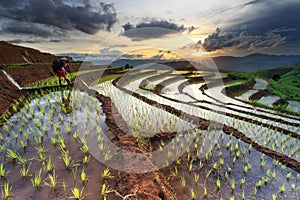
x: 119, y: 27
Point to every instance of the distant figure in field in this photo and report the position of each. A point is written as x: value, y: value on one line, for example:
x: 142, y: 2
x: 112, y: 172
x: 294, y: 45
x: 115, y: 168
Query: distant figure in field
x: 60, y: 68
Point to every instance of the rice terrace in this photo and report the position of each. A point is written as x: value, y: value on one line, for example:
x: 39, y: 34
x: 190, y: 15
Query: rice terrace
x: 151, y: 132
x: 150, y: 100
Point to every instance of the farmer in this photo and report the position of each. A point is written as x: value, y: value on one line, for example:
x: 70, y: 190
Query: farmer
x: 60, y: 67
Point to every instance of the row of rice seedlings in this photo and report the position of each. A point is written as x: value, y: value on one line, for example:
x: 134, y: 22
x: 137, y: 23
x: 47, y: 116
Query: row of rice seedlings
x: 143, y: 117
x: 217, y: 164
x: 38, y: 130
x: 245, y: 127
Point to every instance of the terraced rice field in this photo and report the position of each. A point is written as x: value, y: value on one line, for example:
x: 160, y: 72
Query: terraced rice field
x: 148, y: 134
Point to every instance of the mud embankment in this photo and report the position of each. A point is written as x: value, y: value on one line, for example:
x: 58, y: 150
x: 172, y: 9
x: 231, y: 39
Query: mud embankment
x: 258, y: 95
x: 148, y: 186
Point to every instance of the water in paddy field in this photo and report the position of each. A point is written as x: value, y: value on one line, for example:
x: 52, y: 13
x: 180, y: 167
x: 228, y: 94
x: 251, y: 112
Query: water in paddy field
x: 55, y: 113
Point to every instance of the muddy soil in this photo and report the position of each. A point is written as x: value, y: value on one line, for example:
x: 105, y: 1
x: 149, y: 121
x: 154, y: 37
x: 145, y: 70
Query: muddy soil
x: 258, y: 95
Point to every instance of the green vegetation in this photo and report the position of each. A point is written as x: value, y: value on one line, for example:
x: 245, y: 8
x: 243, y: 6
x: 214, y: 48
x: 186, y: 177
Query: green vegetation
x: 242, y: 76
x: 24, y: 64
x: 109, y: 77
x: 288, y: 86
x: 284, y: 83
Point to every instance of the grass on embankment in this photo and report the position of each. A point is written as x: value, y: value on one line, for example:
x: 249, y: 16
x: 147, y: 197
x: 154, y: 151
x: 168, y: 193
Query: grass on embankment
x: 288, y: 86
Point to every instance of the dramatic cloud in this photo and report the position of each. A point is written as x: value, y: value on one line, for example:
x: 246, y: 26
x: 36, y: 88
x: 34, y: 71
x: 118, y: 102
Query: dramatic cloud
x: 132, y: 56
x: 19, y: 41
x: 242, y: 40
x: 277, y: 26
x: 55, y: 14
x: 30, y: 29
x: 156, y: 29
x: 110, y: 52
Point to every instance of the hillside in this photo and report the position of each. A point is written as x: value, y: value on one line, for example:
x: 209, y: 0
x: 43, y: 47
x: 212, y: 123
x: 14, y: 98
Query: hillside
x: 287, y: 86
x: 26, y: 66
x: 14, y: 54
x: 254, y: 62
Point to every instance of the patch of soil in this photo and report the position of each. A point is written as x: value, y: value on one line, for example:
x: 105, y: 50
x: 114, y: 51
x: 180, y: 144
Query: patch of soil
x: 231, y: 92
x: 12, y: 54
x: 31, y: 73
x: 258, y: 95
x: 24, y: 75
x: 145, y: 186
x: 280, y: 102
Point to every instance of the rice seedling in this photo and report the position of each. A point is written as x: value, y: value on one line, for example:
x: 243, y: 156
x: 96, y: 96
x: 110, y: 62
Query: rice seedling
x: 193, y: 195
x: 232, y: 185
x: 106, y: 174
x: 293, y: 186
x: 68, y: 162
x: 254, y: 191
x: 54, y: 141
x: 23, y: 144
x: 85, y: 149
x: 105, y: 190
x: 243, y: 181
x: 42, y: 157
x: 2, y: 170
x: 218, y: 184
x: 191, y: 166
x: 52, y: 181
x: 182, y: 181
x: 12, y: 155
x: 288, y: 176
x: 25, y: 170
x: 37, y: 180
x: 174, y: 172
x: 5, y: 192
x: 262, y: 163
x: 274, y: 174
x: 77, y: 194
x: 75, y: 136
x: 83, y: 177
x: 282, y: 189
x: 86, y: 159
x: 196, y: 178
x: 205, y: 192
x: 49, y: 165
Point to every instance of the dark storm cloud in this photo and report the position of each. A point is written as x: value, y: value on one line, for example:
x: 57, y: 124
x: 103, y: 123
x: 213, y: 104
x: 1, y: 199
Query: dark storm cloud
x: 161, y: 24
x: 58, y: 14
x: 277, y: 26
x: 163, y: 28
x: 19, y: 41
x: 242, y: 40
x: 27, y: 29
x: 132, y: 56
